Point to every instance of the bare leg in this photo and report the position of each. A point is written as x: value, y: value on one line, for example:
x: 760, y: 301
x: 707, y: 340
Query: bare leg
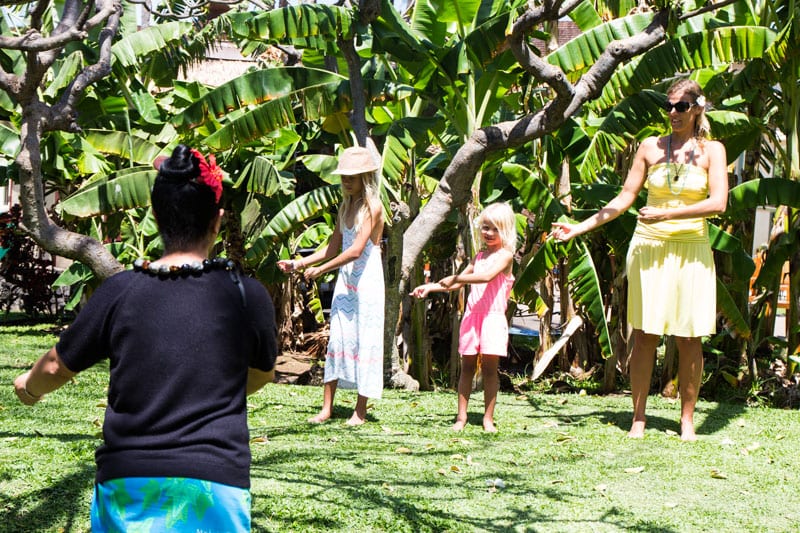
x: 468, y: 365
x: 491, y: 384
x: 359, y: 413
x: 328, y: 392
x: 690, y: 374
x: 643, y: 357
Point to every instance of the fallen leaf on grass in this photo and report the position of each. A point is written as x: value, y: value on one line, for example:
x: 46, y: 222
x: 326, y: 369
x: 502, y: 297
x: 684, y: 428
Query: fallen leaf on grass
x: 102, y: 404
x: 551, y: 424
x: 556, y: 481
x: 457, y: 456
x: 414, y: 404
x: 740, y: 423
x: 522, y: 397
x: 441, y: 472
x: 403, y: 449
x: 635, y: 470
x: 455, y: 468
x: 716, y: 474
x: 671, y: 433
x: 562, y: 401
x: 430, y: 446
x: 279, y: 406
x: 779, y: 437
x: 496, y: 483
x: 601, y: 487
x: 564, y: 437
x: 747, y: 450
x: 388, y: 487
x: 259, y: 440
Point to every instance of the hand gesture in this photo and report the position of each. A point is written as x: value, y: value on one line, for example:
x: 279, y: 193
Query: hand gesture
x: 447, y: 282
x: 423, y: 290
x: 312, y: 273
x: 563, y: 232
x: 286, y: 265
x: 649, y: 214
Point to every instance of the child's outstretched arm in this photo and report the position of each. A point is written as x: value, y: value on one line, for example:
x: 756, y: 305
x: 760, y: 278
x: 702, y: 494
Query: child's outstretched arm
x: 328, y: 251
x: 501, y: 263
x: 355, y: 250
x: 423, y: 290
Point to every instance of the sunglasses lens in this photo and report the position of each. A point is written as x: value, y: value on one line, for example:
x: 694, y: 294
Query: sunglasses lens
x: 680, y: 107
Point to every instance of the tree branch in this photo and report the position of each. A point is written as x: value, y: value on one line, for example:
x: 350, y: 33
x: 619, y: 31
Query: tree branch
x: 454, y: 187
x: 62, y: 114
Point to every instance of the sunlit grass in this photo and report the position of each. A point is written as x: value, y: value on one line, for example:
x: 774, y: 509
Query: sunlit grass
x: 559, y: 462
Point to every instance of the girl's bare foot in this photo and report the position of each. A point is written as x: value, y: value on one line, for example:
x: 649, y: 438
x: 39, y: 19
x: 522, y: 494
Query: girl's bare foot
x: 687, y: 432
x: 488, y: 426
x: 637, y: 429
x: 356, y: 420
x: 459, y: 425
x: 321, y: 417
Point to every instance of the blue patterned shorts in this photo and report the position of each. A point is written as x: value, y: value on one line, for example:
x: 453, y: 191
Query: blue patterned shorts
x: 175, y: 504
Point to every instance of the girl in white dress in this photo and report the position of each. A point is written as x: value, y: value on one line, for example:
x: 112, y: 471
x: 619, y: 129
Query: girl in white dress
x: 355, y: 348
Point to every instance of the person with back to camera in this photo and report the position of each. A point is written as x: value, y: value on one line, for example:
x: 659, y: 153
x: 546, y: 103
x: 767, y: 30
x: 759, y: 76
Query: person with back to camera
x: 355, y: 349
x: 187, y: 338
x: 670, y: 265
x: 484, y: 326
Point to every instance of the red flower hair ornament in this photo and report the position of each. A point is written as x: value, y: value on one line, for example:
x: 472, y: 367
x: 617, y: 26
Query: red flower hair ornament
x: 210, y: 173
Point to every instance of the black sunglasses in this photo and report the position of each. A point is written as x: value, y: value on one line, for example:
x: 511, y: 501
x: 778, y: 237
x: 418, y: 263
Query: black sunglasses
x: 680, y: 107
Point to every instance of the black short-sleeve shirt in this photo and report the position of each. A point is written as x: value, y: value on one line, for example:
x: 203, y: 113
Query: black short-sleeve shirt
x: 179, y: 350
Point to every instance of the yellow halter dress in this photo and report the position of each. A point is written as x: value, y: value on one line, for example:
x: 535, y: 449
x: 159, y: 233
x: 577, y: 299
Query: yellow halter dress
x: 672, y: 284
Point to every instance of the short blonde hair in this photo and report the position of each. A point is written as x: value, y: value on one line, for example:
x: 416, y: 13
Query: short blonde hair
x: 502, y: 217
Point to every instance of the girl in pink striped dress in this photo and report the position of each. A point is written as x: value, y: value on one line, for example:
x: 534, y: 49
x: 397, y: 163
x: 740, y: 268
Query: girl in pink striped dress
x: 484, y: 327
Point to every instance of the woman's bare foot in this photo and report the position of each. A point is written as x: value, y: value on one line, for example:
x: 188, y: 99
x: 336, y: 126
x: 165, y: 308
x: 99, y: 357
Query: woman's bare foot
x: 488, y: 426
x: 687, y: 432
x: 459, y: 425
x: 637, y: 429
x: 356, y: 420
x: 321, y: 417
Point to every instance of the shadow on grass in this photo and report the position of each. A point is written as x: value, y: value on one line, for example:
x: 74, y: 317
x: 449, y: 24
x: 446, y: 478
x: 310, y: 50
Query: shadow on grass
x: 413, y: 504
x: 712, y: 417
x: 57, y: 507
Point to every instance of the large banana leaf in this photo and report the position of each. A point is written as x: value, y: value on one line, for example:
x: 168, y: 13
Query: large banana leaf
x: 576, y: 56
x: 129, y: 50
x: 763, y: 192
x: 9, y: 140
x: 266, y: 99
x: 297, y: 211
x: 110, y: 195
x: 584, y: 284
x: 730, y: 311
x: 123, y: 145
x: 314, y: 26
x: 686, y: 53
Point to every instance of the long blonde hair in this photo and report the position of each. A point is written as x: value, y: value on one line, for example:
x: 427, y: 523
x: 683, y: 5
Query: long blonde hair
x: 372, y: 200
x: 502, y: 217
x: 701, y: 126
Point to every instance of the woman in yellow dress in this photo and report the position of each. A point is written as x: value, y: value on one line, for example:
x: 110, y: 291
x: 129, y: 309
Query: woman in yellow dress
x: 670, y: 266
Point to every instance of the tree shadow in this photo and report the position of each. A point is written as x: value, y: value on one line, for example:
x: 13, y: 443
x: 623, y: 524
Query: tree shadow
x: 57, y: 507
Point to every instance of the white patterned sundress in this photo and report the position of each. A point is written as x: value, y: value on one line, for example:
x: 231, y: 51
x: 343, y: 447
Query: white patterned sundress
x: 355, y: 347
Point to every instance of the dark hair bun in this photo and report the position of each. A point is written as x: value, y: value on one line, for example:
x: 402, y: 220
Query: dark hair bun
x: 182, y: 165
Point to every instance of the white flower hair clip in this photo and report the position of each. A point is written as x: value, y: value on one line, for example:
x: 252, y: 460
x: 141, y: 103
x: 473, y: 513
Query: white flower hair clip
x: 701, y: 101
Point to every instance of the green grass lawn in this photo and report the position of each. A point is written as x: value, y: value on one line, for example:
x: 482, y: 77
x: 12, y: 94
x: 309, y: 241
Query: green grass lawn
x: 558, y: 463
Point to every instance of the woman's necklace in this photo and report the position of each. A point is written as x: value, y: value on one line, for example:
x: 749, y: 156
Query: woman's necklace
x: 678, y: 171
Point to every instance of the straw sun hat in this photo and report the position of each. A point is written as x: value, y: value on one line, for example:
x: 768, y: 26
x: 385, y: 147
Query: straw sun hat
x: 355, y: 160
